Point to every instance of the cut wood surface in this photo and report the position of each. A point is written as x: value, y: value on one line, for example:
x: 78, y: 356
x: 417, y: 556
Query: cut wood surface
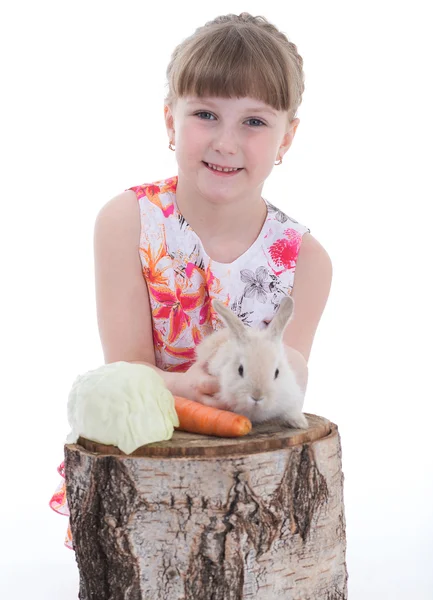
x: 261, y: 438
x: 206, y: 518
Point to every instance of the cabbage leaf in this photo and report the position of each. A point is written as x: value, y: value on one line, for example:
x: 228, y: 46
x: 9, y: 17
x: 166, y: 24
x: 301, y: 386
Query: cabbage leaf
x: 122, y: 404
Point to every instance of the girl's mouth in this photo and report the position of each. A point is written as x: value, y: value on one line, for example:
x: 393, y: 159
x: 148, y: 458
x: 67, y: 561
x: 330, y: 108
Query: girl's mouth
x: 222, y: 173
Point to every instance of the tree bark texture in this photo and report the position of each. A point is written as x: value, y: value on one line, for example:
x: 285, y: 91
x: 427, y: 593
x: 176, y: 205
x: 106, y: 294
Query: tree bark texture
x: 205, y: 518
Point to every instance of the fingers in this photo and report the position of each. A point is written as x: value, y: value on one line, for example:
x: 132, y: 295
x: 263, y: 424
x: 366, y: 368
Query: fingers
x: 204, y: 366
x: 208, y: 400
x: 209, y: 386
x: 214, y: 401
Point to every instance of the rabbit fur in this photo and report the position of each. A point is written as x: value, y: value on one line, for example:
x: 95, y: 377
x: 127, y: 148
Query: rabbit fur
x: 255, y: 377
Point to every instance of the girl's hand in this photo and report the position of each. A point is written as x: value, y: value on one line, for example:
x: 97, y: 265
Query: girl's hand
x: 198, y: 384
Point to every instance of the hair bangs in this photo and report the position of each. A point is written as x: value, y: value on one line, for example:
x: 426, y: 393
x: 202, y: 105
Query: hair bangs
x: 232, y: 66
x: 235, y: 56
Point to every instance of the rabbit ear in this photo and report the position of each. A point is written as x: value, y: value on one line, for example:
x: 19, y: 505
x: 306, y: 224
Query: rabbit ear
x: 230, y: 319
x: 282, y: 317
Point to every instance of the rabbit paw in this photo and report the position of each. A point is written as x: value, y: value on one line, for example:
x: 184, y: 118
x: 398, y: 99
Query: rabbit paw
x: 297, y: 421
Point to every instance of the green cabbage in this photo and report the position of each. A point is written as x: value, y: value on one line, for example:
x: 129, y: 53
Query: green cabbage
x: 122, y: 404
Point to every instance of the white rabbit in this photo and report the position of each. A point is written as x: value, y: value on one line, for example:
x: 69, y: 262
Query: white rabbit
x: 255, y: 377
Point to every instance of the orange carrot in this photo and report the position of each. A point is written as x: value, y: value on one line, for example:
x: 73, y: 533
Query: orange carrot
x: 199, y: 418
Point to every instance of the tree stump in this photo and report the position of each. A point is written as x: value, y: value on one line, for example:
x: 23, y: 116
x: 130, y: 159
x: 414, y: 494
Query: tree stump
x: 206, y: 518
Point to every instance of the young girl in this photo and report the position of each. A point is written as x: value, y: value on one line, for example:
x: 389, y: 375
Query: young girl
x: 164, y: 250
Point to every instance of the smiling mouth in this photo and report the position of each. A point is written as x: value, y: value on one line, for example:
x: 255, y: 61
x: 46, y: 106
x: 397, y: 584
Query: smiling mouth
x: 222, y: 172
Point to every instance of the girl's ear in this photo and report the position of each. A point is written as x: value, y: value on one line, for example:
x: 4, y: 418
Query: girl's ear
x: 169, y: 121
x: 283, y: 315
x: 288, y: 137
x: 230, y: 319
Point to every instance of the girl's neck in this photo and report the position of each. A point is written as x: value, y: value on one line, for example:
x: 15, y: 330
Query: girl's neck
x: 238, y: 221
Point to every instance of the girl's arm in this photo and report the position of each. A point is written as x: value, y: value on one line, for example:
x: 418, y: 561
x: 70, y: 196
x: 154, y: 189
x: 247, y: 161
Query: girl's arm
x: 299, y: 366
x: 122, y: 299
x: 313, y: 277
x: 193, y: 384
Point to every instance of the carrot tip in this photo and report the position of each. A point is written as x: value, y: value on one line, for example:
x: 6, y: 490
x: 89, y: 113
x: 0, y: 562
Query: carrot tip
x: 199, y: 418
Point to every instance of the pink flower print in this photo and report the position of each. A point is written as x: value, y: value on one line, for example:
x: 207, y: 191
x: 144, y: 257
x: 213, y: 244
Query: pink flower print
x: 285, y: 250
x: 153, y: 193
x: 175, y: 306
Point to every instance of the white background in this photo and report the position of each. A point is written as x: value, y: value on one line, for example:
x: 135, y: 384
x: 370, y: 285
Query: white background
x: 82, y: 120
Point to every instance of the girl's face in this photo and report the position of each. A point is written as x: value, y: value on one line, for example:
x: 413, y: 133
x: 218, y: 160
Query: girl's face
x: 227, y: 132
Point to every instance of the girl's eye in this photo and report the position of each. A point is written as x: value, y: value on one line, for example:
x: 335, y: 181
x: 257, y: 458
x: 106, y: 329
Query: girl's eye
x: 204, y: 113
x: 257, y: 121
x: 208, y: 113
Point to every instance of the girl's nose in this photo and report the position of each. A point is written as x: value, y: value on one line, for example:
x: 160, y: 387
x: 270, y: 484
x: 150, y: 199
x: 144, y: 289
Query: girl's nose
x: 225, y: 142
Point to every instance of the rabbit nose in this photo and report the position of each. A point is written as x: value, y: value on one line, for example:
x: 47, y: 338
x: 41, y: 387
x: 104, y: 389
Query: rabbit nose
x: 257, y: 399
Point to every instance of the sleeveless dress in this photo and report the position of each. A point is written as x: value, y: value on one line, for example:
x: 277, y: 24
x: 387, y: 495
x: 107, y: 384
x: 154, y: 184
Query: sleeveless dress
x: 182, y: 280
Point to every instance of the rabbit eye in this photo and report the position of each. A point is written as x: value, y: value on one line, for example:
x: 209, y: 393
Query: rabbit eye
x: 241, y: 371
x: 276, y: 373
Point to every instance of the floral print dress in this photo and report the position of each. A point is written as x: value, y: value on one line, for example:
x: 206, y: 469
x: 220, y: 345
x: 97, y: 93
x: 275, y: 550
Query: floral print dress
x: 182, y: 280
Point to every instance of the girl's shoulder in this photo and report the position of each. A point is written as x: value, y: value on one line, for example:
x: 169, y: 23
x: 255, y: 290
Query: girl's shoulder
x: 156, y: 200
x: 155, y: 188
x: 280, y: 217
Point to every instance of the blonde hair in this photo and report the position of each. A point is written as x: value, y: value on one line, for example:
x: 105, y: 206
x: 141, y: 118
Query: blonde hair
x: 238, y: 56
